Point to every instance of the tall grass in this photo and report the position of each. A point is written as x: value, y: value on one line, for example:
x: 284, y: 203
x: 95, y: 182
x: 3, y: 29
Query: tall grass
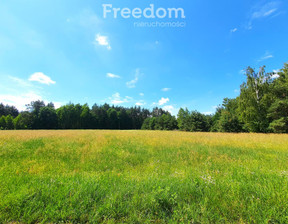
x: 142, y: 176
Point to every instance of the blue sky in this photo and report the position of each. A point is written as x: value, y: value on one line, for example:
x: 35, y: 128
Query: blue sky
x: 66, y: 51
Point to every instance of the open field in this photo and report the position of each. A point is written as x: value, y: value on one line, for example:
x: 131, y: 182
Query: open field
x: 142, y: 176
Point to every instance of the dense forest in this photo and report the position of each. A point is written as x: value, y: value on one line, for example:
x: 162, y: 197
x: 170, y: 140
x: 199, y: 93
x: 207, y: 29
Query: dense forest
x: 262, y: 106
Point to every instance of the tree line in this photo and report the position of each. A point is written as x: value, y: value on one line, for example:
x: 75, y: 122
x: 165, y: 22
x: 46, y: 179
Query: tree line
x: 39, y: 115
x: 262, y: 106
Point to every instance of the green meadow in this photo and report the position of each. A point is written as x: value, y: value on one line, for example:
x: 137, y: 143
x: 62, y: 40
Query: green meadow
x: 142, y: 177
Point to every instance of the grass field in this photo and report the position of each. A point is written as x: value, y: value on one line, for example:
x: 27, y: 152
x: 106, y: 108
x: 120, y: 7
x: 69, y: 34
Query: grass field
x: 142, y: 177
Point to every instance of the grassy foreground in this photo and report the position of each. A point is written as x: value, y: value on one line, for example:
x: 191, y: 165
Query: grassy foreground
x: 142, y: 177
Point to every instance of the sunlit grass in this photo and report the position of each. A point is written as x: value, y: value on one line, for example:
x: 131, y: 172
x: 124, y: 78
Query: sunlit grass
x: 143, y: 176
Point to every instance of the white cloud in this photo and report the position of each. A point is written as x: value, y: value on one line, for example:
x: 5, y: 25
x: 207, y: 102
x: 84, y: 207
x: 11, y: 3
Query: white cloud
x: 19, y: 100
x: 166, y: 89
x: 57, y: 104
x: 132, y: 83
x: 113, y: 76
x: 163, y: 101
x: 19, y: 92
x: 171, y: 109
x: 117, y: 99
x: 42, y: 78
x: 275, y: 74
x: 233, y: 30
x: 266, y: 56
x: 141, y: 94
x: 103, y: 41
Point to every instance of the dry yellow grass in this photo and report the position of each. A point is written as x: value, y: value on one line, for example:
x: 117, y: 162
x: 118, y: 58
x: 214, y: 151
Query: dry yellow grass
x: 246, y: 140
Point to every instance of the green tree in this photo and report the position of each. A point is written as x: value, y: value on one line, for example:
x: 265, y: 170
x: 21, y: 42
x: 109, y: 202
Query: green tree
x: 254, y: 100
x: 6, y: 110
x: 23, y: 121
x: 152, y: 123
x: 169, y: 122
x: 197, y: 122
x: 17, y: 123
x: 86, y: 117
x: 146, y: 124
x: 229, y: 117
x: 9, y: 122
x: 47, y: 118
x: 182, y: 119
x: 63, y: 116
x: 278, y: 112
x: 34, y: 108
x: 123, y: 118
x: 113, y: 118
x: 3, y: 122
x: 69, y: 116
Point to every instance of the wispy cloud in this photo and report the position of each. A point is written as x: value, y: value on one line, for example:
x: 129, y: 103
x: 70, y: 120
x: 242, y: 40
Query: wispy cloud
x: 41, y: 78
x: 87, y: 18
x: 102, y: 41
x: 141, y: 94
x: 269, y: 9
x: 148, y: 46
x: 19, y: 81
x: 242, y: 72
x: 266, y: 10
x: 163, y: 101
x: 233, y: 30
x: 266, y: 56
x: 166, y: 89
x: 140, y: 103
x: 117, y: 99
x: 132, y: 83
x: 113, y: 76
